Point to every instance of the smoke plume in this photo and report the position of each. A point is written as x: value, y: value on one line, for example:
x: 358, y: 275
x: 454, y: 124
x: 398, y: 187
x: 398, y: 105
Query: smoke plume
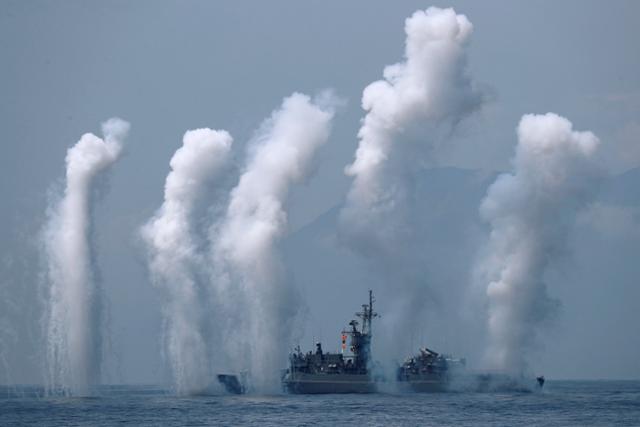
x: 530, y: 211
x: 175, y: 255
x: 259, y: 303
x: 410, y: 114
x: 74, y: 330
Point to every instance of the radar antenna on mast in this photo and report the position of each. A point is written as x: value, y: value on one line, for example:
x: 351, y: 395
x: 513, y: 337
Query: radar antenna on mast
x: 367, y: 314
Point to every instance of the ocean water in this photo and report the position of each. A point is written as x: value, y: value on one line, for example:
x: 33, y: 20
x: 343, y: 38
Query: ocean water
x: 561, y: 403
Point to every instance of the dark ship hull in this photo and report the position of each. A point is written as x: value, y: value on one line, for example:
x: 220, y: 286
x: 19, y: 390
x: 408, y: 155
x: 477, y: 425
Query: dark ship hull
x: 469, y: 382
x: 304, y: 383
x: 424, y: 384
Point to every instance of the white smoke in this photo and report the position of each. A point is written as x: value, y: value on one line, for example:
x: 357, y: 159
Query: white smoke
x: 530, y: 211
x: 259, y: 304
x: 410, y: 114
x: 74, y: 330
x: 175, y: 258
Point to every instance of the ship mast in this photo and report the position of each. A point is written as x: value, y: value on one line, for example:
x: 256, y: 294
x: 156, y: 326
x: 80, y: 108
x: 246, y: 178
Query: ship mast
x: 367, y: 314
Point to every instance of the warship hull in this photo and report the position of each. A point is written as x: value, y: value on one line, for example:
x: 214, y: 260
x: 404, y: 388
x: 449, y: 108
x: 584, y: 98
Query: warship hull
x: 304, y: 383
x: 468, y: 382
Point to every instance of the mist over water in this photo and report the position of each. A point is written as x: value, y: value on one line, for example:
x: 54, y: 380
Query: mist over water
x: 530, y: 211
x: 176, y: 258
x: 258, y: 304
x: 411, y: 114
x: 73, y: 319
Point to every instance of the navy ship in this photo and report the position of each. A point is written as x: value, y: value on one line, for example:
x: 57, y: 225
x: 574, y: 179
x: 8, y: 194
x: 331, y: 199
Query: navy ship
x: 346, y: 372
x: 429, y: 371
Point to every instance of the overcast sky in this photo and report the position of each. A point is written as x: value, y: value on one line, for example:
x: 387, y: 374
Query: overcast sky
x: 170, y: 66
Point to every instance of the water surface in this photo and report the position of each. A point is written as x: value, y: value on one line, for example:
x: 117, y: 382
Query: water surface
x: 561, y: 403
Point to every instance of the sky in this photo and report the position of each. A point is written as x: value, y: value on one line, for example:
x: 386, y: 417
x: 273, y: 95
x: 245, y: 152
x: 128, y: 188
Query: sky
x: 170, y: 66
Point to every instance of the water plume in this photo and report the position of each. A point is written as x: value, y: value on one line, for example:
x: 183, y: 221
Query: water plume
x: 410, y: 114
x: 175, y: 254
x: 258, y: 302
x: 74, y: 329
x: 530, y: 211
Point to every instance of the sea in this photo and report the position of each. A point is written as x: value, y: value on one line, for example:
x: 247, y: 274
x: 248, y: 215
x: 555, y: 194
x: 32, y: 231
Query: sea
x: 559, y: 403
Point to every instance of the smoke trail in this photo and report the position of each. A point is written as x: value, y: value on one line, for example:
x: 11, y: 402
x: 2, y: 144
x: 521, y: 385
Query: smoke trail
x: 259, y: 302
x: 74, y: 337
x: 174, y: 257
x: 409, y: 115
x: 530, y: 211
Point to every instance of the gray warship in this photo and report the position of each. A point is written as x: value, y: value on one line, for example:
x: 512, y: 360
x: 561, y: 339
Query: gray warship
x: 429, y: 371
x: 346, y: 372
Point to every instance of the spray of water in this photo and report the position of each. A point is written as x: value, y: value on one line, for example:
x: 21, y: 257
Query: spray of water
x: 258, y: 305
x: 74, y: 329
x: 530, y: 211
x: 175, y: 255
x: 410, y: 114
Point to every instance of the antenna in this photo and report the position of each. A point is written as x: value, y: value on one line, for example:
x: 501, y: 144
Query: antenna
x: 367, y: 314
